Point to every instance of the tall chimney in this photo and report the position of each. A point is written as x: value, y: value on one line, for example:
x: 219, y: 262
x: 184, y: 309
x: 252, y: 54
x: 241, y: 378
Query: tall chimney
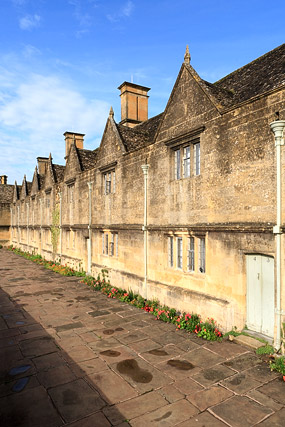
x: 3, y: 179
x: 42, y: 165
x: 134, y: 104
x: 70, y: 138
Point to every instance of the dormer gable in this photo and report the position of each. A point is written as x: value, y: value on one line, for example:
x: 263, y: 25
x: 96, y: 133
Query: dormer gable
x: 35, y: 183
x: 16, y: 193
x: 49, y: 177
x: 111, y: 146
x: 190, y: 104
x: 24, y: 189
x: 73, y: 166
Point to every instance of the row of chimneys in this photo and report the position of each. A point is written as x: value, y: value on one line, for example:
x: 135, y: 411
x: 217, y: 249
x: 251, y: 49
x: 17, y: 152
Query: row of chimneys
x: 134, y: 110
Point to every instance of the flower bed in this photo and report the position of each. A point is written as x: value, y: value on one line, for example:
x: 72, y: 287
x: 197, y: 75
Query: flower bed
x: 190, y: 322
x: 64, y: 270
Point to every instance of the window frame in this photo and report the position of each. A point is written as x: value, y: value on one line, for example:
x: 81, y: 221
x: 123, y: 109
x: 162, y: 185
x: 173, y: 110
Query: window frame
x: 202, y: 255
x: 179, y: 254
x: 187, y: 159
x: 170, y: 252
x: 177, y: 160
x: 191, y: 254
x: 197, y: 158
x: 109, y: 182
x: 186, y: 163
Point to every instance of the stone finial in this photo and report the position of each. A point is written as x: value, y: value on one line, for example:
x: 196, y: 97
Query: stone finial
x: 187, y: 56
x: 111, y: 112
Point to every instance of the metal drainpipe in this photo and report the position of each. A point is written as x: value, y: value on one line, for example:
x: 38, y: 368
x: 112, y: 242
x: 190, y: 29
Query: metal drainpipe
x: 277, y: 127
x: 11, y: 222
x: 41, y: 225
x: 60, y: 224
x: 89, y: 228
x: 144, y: 228
x: 18, y: 220
x: 27, y: 205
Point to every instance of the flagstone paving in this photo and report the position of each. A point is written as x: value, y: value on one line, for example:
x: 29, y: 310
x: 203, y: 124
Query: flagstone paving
x: 70, y: 356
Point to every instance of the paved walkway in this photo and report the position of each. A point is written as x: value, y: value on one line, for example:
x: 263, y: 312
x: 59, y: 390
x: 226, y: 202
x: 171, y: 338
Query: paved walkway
x: 72, y: 357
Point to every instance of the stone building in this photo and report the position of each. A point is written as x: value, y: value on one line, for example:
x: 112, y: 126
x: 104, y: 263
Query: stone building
x: 179, y: 207
x: 6, y: 195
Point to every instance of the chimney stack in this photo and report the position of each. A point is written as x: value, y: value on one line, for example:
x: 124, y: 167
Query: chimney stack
x: 134, y: 104
x: 70, y: 138
x: 42, y: 165
x: 3, y: 179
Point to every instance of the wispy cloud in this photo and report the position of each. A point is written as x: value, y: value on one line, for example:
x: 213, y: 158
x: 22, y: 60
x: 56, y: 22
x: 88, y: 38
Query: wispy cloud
x: 42, y: 109
x: 83, y: 18
x: 125, y: 12
x: 30, y: 51
x: 128, y: 8
x: 19, y: 2
x: 28, y: 22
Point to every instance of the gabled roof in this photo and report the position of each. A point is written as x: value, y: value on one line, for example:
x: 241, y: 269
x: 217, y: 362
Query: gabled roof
x: 6, y: 193
x: 16, y: 192
x: 87, y: 158
x: 259, y: 76
x: 141, y: 135
x: 41, y: 181
x: 29, y: 187
x: 58, y: 171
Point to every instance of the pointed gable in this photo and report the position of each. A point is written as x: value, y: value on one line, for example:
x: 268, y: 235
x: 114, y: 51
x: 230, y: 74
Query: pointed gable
x: 24, y: 189
x: 35, y: 183
x: 16, y: 192
x: 112, y: 145
x: 49, y: 176
x: 189, y: 106
x: 73, y: 166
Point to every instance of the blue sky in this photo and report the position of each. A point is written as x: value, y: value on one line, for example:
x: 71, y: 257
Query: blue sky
x: 61, y: 62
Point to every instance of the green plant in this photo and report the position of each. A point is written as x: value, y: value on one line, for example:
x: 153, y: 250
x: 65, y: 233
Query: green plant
x: 191, y: 322
x: 278, y: 364
x: 233, y: 332
x: 266, y: 349
x: 1, y: 246
x: 209, y: 331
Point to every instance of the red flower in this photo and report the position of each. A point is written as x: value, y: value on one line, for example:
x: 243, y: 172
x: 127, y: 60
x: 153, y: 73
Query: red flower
x: 283, y: 377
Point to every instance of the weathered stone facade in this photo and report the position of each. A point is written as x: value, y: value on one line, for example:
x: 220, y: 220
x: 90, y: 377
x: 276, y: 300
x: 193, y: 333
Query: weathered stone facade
x: 211, y: 197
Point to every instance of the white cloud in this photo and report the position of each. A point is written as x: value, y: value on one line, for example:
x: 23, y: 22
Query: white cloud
x: 83, y: 18
x: 125, y: 12
x: 29, y: 22
x: 128, y: 8
x: 34, y: 116
x: 29, y: 51
x: 19, y: 2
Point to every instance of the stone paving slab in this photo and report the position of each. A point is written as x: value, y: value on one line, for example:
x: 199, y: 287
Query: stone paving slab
x: 134, y: 407
x: 72, y: 357
x: 209, y: 397
x: 240, y: 411
x: 20, y: 409
x: 169, y: 415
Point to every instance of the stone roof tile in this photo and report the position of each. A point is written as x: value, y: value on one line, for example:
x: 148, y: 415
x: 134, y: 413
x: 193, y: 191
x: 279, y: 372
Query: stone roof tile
x: 141, y: 135
x: 87, y: 158
x: 6, y: 193
x: 58, y: 172
x: 259, y: 76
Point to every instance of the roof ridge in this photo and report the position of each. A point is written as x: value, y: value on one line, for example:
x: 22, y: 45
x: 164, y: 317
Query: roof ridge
x: 249, y: 63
